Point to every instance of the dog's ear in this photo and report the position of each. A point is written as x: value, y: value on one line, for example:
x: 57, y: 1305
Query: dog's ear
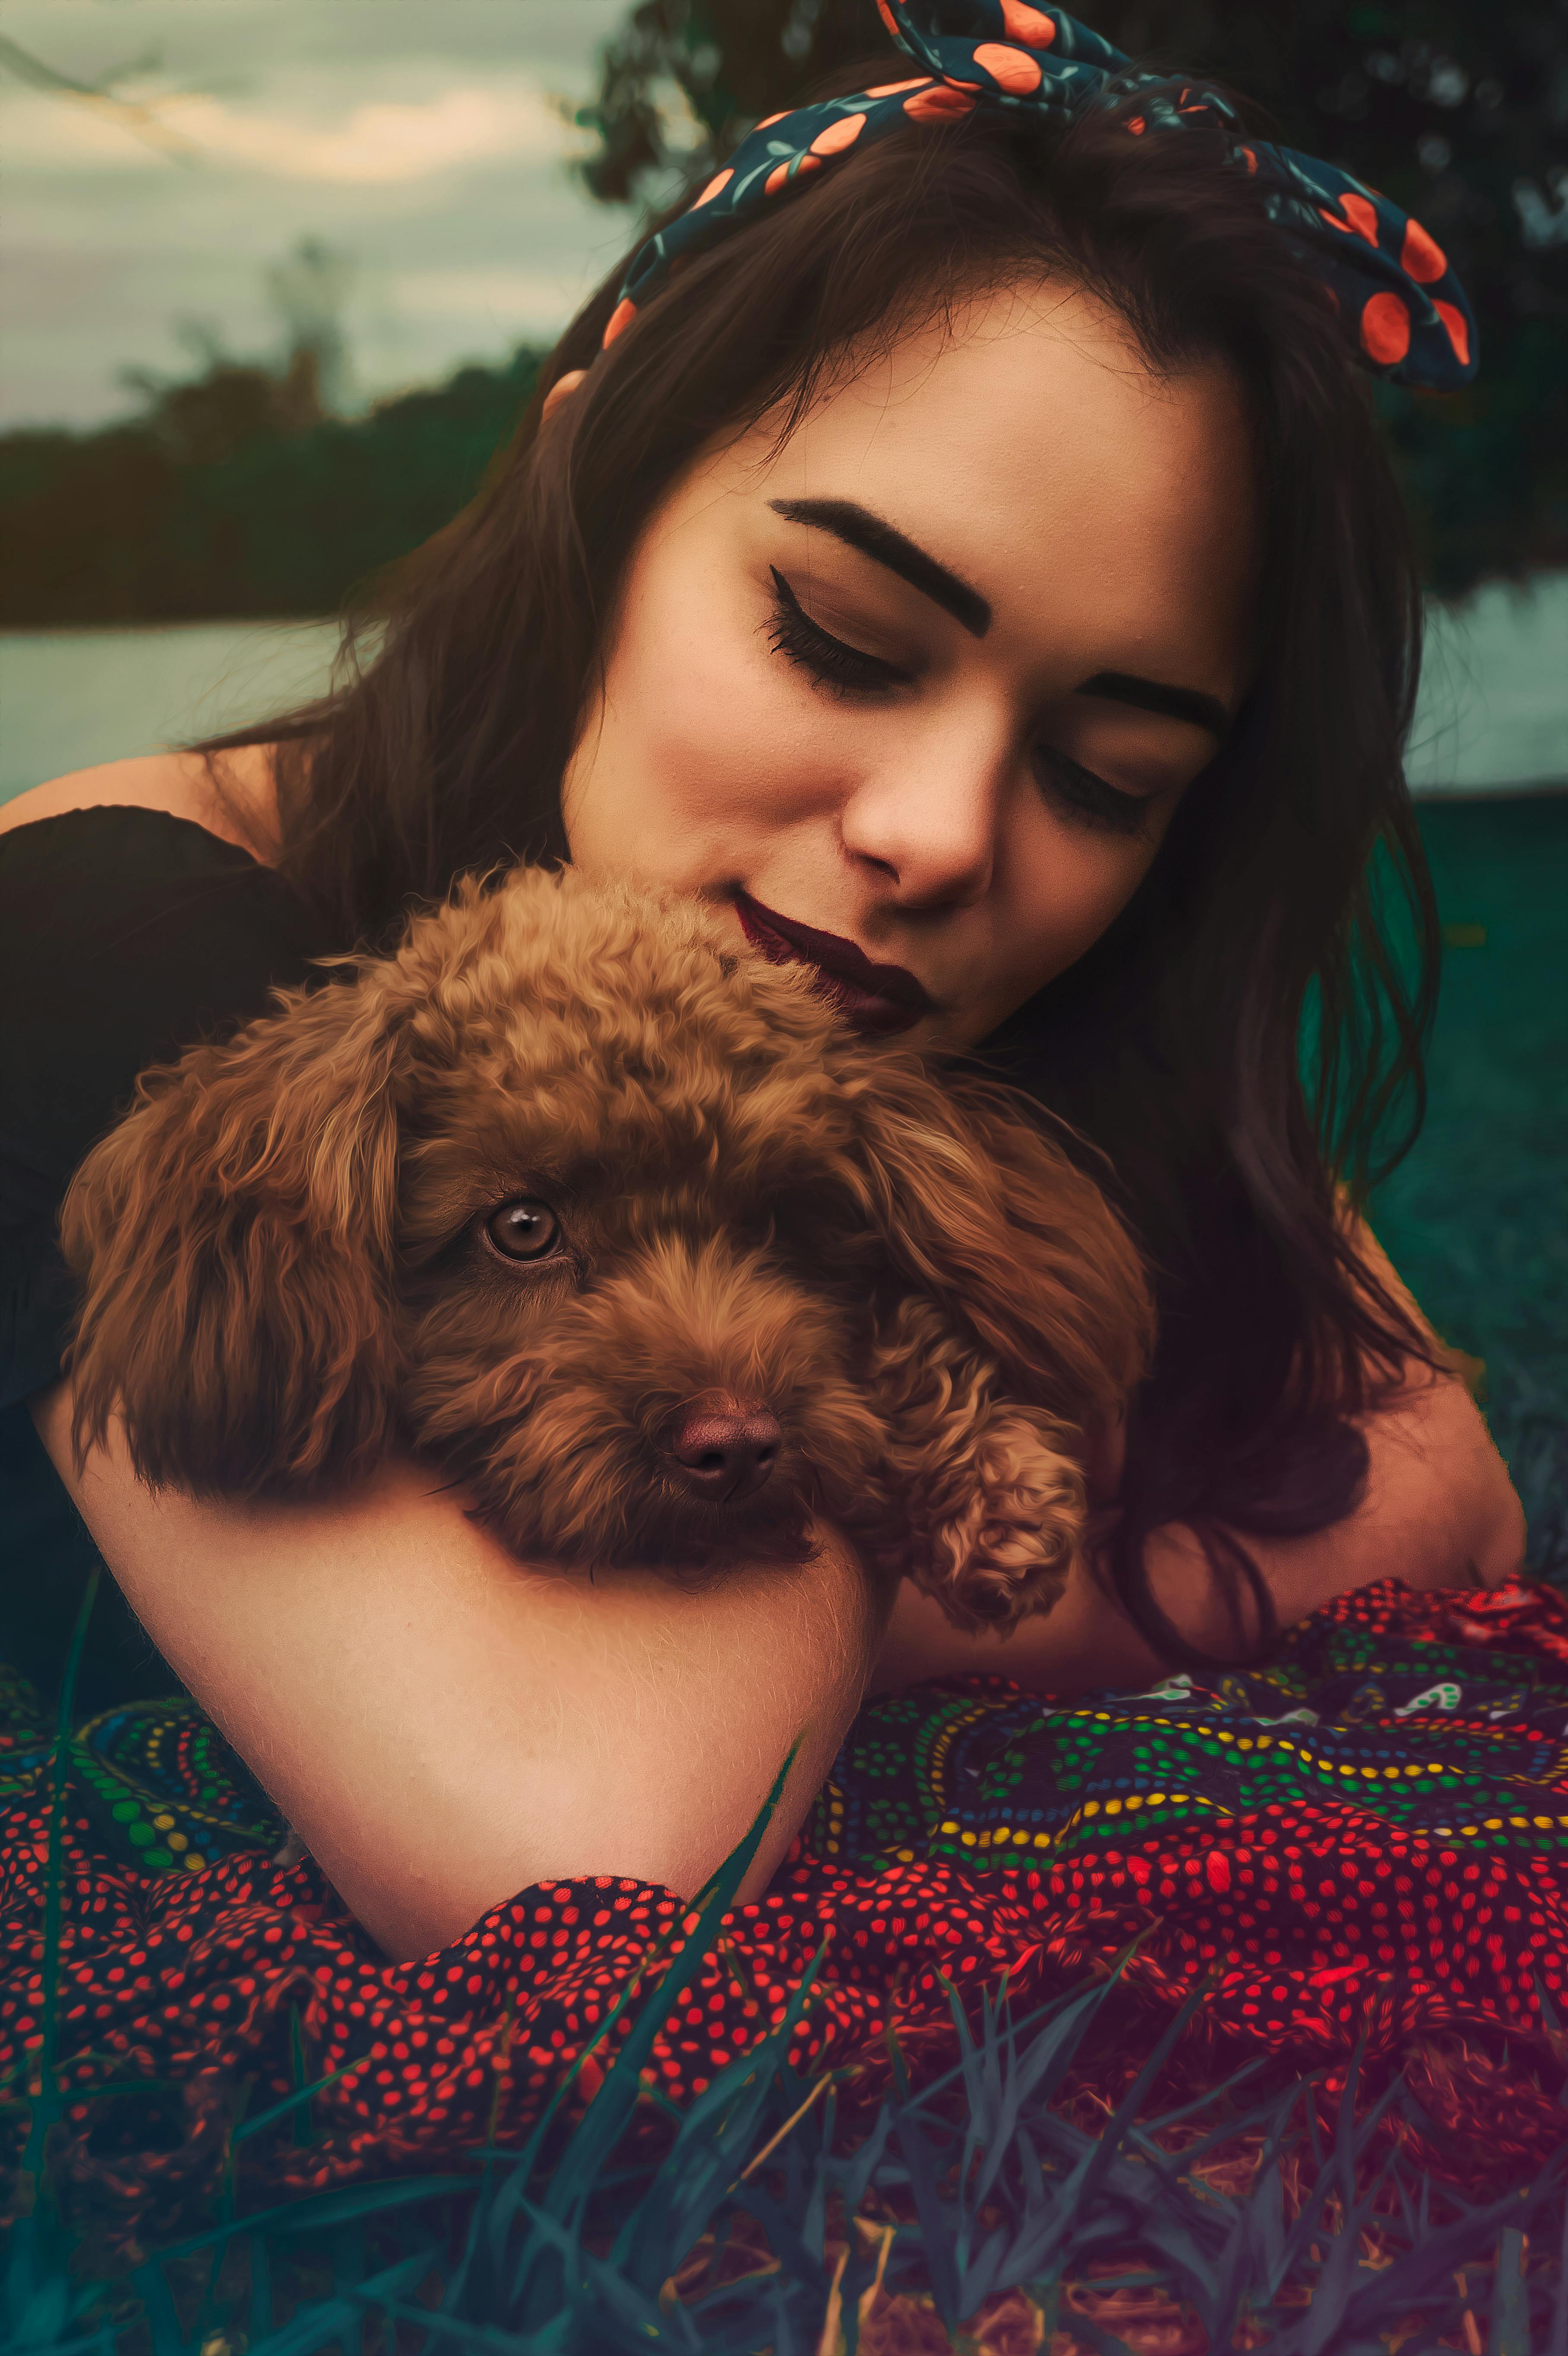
x: 982, y: 1210
x: 233, y: 1238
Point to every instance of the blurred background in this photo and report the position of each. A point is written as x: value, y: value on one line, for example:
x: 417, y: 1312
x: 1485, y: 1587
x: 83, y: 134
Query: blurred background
x: 276, y: 275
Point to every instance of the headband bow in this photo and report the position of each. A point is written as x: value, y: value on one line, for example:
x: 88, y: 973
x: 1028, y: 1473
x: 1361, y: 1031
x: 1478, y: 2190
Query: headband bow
x: 1391, y: 280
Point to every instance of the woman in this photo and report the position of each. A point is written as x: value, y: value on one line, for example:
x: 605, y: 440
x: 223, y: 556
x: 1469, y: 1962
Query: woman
x: 976, y: 561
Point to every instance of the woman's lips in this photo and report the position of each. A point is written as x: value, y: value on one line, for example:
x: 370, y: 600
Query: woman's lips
x: 877, y: 998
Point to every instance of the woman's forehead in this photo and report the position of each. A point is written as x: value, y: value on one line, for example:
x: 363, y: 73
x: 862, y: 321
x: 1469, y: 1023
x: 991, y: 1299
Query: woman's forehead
x: 1027, y: 447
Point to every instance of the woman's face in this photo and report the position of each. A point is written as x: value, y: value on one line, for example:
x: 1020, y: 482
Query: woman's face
x: 929, y: 683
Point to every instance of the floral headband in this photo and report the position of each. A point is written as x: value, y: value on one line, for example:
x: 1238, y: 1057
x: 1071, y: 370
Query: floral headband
x: 1391, y: 280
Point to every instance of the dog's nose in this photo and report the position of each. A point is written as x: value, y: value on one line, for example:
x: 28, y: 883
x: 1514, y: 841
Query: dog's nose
x: 726, y: 1453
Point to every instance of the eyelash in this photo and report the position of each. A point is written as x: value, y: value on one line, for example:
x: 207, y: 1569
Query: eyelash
x: 1092, y: 799
x: 845, y: 670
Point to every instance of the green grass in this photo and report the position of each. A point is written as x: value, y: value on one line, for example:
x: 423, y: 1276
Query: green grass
x: 1477, y: 1220
x: 979, y: 2184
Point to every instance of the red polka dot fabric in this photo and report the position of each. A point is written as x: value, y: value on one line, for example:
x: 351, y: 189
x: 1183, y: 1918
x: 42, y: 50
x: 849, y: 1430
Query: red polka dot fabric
x: 1368, y: 1841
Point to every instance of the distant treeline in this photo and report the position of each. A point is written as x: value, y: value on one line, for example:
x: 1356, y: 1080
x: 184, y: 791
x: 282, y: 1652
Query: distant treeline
x: 233, y: 497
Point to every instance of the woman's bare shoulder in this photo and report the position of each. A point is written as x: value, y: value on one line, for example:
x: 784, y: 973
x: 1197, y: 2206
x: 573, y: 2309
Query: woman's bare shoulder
x: 236, y: 804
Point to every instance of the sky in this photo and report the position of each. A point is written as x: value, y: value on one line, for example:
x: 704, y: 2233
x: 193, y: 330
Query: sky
x: 421, y: 140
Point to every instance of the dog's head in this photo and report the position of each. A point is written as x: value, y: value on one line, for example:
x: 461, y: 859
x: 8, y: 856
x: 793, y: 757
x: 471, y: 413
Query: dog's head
x: 590, y: 1208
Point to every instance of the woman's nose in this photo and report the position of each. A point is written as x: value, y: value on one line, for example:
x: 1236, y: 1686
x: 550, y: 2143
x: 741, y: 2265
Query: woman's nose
x: 930, y: 825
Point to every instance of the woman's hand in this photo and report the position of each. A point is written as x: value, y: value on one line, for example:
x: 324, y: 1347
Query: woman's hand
x: 443, y: 1725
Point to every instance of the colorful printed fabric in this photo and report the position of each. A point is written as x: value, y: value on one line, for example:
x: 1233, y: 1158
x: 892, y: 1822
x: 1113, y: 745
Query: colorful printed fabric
x: 156, y: 1784
x: 1404, y: 305
x: 1368, y: 1840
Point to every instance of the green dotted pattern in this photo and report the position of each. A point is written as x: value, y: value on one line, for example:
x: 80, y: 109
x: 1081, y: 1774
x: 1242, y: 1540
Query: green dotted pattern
x: 161, y: 1788
x: 1458, y: 1742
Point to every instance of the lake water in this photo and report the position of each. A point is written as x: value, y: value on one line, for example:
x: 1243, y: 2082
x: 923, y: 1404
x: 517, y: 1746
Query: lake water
x: 1494, y: 709
x: 70, y: 698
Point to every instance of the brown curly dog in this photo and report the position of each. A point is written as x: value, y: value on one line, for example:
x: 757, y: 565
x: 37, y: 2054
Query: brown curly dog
x: 625, y: 1232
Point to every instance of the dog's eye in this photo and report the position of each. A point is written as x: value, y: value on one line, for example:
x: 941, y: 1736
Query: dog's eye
x: 524, y: 1230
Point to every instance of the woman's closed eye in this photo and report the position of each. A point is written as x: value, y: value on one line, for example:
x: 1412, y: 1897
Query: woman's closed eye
x: 830, y: 662
x: 844, y: 669
x: 1089, y: 799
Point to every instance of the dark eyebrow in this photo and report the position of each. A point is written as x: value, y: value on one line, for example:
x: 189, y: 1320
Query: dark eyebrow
x: 1190, y: 703
x: 857, y: 527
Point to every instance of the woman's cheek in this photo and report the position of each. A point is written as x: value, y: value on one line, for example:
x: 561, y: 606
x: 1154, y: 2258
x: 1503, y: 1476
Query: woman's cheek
x: 1072, y: 884
x: 702, y: 751
x: 741, y: 760
x: 727, y: 725
x: 1085, y: 876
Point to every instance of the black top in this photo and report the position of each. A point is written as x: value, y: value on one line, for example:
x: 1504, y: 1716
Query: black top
x: 125, y: 936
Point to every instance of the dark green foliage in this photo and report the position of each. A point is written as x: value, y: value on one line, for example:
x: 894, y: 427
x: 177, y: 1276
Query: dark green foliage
x: 1458, y: 112
x: 1476, y: 1220
x: 234, y: 495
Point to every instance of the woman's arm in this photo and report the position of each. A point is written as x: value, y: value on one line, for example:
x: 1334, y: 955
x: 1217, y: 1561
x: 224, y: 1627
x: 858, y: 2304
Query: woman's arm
x: 443, y: 1725
x: 1438, y: 1510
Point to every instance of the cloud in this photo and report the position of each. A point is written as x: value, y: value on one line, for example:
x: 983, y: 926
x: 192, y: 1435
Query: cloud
x: 378, y: 142
x: 415, y: 137
x: 381, y: 141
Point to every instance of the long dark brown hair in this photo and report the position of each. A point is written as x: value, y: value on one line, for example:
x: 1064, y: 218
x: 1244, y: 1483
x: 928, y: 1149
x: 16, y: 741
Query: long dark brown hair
x: 1290, y: 901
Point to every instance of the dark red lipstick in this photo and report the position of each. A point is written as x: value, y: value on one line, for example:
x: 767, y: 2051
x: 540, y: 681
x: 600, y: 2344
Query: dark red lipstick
x: 879, y: 999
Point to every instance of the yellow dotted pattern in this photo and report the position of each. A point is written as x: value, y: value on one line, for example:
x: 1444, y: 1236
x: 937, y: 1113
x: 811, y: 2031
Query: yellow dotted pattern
x: 999, y: 1838
x: 131, y: 1780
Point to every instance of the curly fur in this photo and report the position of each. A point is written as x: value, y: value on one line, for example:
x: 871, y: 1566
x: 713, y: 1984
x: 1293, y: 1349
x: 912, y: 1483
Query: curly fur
x: 283, y: 1273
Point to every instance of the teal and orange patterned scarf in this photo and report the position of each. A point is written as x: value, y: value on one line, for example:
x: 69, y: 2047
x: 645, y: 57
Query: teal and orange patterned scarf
x: 1392, y: 282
